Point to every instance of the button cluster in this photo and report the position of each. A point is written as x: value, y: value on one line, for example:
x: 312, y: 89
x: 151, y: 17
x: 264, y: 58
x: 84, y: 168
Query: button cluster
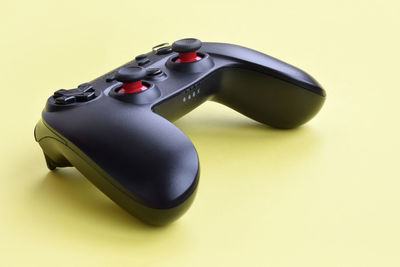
x: 83, y: 93
x: 131, y: 75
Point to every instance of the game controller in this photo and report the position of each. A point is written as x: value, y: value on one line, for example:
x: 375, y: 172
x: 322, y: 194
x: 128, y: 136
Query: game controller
x: 117, y: 130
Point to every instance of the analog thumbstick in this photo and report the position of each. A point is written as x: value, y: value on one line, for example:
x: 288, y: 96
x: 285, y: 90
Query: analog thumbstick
x: 187, y: 50
x: 131, y: 77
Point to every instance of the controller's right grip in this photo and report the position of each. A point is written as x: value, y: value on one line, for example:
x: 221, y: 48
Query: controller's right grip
x: 267, y: 99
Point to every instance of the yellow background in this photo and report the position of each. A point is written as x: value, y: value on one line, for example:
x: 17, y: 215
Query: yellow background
x: 326, y: 194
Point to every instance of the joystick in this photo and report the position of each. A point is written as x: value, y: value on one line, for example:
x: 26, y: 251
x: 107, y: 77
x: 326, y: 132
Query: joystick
x: 187, y: 50
x: 118, y: 129
x: 131, y: 77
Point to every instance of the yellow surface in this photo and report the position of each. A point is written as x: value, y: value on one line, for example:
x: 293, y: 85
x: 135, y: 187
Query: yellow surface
x: 326, y: 194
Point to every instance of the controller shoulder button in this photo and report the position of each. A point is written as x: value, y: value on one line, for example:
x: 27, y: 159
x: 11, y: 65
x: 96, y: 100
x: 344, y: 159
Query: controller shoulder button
x: 164, y: 50
x: 159, y: 46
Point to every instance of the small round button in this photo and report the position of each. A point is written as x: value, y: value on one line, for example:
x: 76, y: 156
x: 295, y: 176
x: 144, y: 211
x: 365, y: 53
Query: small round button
x: 186, y: 45
x: 154, y: 72
x: 141, y: 57
x: 143, y: 62
x: 110, y: 77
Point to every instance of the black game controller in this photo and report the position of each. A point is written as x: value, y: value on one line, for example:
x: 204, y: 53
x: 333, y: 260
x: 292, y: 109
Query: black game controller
x: 117, y: 131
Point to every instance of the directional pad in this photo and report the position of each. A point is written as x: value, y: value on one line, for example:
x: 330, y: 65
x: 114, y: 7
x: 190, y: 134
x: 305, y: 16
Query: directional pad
x: 83, y: 93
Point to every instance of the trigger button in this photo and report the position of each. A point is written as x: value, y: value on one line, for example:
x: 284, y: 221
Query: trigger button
x: 160, y: 46
x: 164, y: 50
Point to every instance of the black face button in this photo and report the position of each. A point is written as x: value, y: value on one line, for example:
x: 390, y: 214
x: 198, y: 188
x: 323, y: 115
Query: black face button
x: 186, y: 45
x: 154, y: 72
x: 110, y: 77
x: 141, y: 57
x: 83, y: 93
x: 130, y: 74
x: 143, y: 62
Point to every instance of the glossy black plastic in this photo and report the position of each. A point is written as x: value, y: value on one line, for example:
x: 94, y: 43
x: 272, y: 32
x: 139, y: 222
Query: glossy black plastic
x: 127, y: 144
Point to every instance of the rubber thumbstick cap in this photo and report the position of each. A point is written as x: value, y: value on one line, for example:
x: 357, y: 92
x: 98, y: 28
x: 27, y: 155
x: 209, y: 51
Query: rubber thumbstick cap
x: 186, y: 45
x: 130, y: 74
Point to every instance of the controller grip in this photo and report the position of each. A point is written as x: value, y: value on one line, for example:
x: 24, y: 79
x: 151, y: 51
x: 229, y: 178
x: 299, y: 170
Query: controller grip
x: 267, y: 99
x: 141, y: 161
x: 264, y: 88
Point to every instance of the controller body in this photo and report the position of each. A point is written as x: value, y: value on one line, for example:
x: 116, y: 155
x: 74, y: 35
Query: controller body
x: 120, y: 135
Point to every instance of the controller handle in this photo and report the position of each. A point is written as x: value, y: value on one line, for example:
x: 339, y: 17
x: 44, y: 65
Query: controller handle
x: 146, y: 164
x: 264, y: 88
x: 120, y: 135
